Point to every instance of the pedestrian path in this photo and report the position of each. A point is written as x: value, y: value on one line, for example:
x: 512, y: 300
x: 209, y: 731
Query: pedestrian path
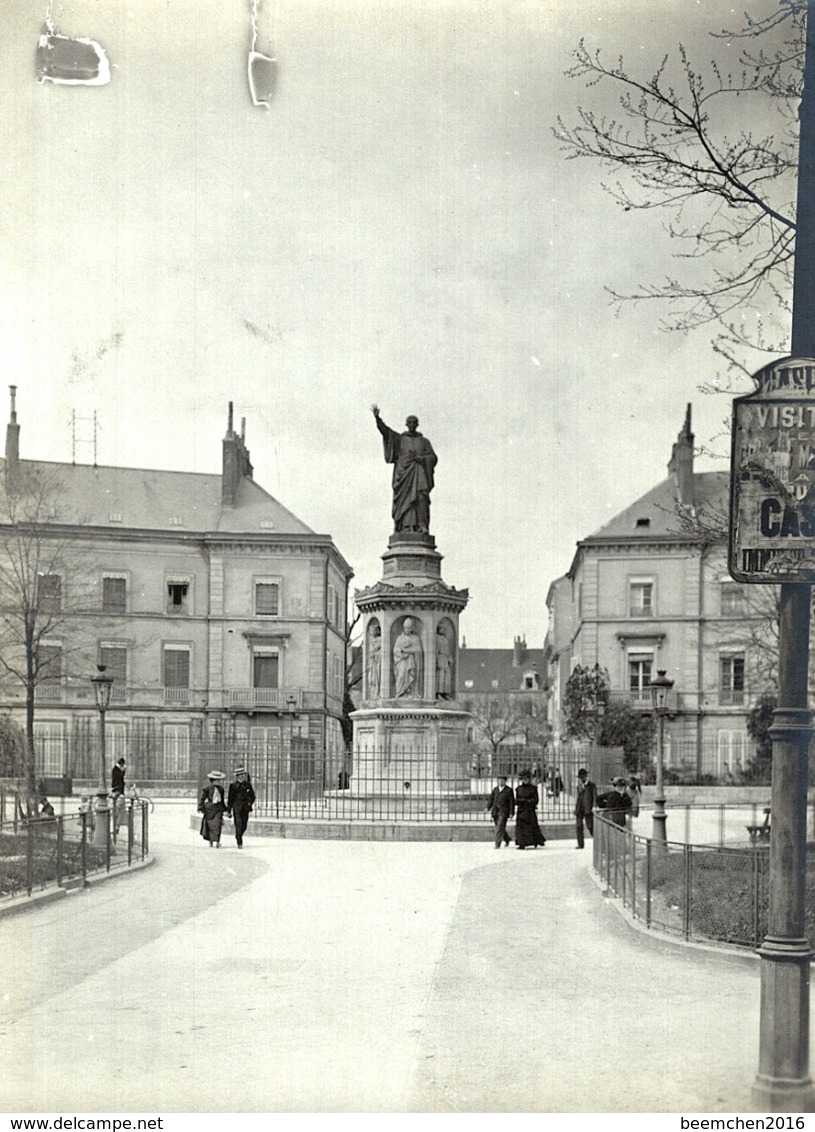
x: 302, y: 976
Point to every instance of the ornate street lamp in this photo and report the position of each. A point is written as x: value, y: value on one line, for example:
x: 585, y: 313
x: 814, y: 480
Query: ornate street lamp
x: 102, y: 687
x: 660, y: 687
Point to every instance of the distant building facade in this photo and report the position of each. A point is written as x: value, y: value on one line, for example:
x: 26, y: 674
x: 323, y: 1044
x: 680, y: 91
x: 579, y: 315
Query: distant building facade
x: 504, y: 690
x: 650, y: 590
x: 220, y: 615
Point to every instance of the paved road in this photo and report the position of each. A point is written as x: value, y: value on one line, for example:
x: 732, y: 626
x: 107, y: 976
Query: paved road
x: 302, y: 976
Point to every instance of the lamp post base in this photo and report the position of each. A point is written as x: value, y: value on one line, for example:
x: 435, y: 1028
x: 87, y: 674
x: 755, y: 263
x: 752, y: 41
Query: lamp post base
x: 100, y: 833
x: 777, y: 1094
x: 783, y: 1082
x: 660, y: 818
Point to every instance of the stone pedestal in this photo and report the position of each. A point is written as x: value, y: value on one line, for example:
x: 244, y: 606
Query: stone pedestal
x: 409, y: 728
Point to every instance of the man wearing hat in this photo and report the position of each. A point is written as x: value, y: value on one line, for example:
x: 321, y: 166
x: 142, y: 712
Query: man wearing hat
x: 239, y: 803
x: 501, y: 807
x: 584, y: 805
x: 211, y: 804
x: 616, y: 802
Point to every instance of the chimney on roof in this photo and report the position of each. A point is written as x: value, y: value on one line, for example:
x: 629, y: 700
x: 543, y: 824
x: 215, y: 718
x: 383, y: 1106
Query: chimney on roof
x: 236, y: 463
x: 13, y: 432
x: 519, y: 651
x: 680, y: 466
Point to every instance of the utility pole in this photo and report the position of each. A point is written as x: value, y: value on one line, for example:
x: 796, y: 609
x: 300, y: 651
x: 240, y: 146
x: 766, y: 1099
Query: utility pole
x: 783, y: 1083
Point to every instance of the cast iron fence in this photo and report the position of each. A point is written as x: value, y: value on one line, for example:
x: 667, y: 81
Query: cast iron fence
x: 698, y: 891
x: 397, y: 784
x: 63, y: 850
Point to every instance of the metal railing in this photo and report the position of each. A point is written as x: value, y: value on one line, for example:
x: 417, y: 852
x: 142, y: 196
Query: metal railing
x: 64, y: 850
x: 289, y: 698
x: 714, y: 892
x: 296, y: 779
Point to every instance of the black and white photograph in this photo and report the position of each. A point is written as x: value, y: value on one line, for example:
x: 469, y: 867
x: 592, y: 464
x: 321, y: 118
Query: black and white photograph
x: 408, y: 462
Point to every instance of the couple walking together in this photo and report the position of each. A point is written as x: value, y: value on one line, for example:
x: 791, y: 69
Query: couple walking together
x: 523, y: 802
x: 237, y: 805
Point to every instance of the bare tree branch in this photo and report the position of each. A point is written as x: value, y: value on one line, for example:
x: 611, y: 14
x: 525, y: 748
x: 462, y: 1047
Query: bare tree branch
x: 727, y: 194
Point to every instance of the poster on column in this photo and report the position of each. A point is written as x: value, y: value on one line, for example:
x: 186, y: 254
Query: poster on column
x: 772, y: 476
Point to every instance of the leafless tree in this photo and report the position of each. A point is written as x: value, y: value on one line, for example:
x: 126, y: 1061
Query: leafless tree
x: 681, y: 140
x: 42, y: 592
x: 511, y: 717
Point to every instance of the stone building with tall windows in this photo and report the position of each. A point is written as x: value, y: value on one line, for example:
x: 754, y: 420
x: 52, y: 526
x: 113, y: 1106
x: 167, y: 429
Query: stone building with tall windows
x: 220, y: 615
x: 650, y: 590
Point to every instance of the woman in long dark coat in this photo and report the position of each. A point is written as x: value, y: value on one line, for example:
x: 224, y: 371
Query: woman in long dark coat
x: 239, y: 803
x: 527, y: 830
x: 212, y: 805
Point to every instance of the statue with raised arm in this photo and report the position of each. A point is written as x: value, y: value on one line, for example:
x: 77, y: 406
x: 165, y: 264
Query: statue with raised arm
x: 413, y: 462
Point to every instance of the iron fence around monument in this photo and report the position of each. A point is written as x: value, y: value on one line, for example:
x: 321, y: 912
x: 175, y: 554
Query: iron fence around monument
x: 296, y: 779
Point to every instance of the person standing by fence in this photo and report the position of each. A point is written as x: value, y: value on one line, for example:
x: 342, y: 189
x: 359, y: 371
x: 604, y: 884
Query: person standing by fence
x: 584, y: 806
x: 117, y: 795
x: 616, y: 802
x: 635, y: 794
x: 239, y: 803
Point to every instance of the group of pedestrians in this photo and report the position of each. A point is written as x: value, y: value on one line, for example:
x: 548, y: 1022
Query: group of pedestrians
x: 522, y: 803
x: 618, y: 804
x: 236, y: 804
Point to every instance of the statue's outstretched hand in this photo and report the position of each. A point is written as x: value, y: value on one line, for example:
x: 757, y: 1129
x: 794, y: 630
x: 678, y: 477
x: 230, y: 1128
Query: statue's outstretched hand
x: 375, y: 410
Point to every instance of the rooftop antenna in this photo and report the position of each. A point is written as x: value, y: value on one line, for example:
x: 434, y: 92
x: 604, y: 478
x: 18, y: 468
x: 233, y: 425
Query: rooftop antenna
x: 82, y: 435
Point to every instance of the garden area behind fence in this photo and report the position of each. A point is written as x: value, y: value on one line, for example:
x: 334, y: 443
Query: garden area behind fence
x: 62, y: 851
x: 700, y: 892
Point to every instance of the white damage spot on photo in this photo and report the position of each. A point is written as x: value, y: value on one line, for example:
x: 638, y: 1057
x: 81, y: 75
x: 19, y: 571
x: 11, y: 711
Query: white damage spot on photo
x: 262, y: 78
x: 70, y: 61
x: 262, y: 69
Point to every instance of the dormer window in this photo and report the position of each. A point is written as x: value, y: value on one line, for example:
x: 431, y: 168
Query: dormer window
x: 643, y: 523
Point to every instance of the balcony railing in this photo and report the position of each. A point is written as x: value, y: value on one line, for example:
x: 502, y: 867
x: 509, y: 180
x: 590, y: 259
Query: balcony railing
x: 730, y: 697
x: 48, y: 692
x: 176, y: 695
x: 270, y: 698
x: 640, y: 698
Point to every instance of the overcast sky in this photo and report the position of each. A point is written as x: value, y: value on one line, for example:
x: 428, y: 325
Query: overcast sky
x: 398, y: 227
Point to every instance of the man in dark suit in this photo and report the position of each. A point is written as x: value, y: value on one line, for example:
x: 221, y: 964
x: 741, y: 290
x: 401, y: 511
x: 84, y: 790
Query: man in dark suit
x: 616, y: 802
x: 117, y: 778
x: 502, y: 806
x: 584, y: 805
x: 117, y: 796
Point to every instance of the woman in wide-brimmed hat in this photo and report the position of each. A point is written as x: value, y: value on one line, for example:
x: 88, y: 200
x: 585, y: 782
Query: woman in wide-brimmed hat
x: 211, y: 804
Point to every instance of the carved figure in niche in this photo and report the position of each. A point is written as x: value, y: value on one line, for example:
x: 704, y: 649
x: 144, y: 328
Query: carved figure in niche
x: 407, y: 659
x: 413, y: 462
x: 373, y: 667
x: 444, y: 665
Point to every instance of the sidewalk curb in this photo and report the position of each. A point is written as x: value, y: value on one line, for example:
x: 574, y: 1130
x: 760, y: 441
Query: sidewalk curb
x: 18, y: 904
x: 722, y: 951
